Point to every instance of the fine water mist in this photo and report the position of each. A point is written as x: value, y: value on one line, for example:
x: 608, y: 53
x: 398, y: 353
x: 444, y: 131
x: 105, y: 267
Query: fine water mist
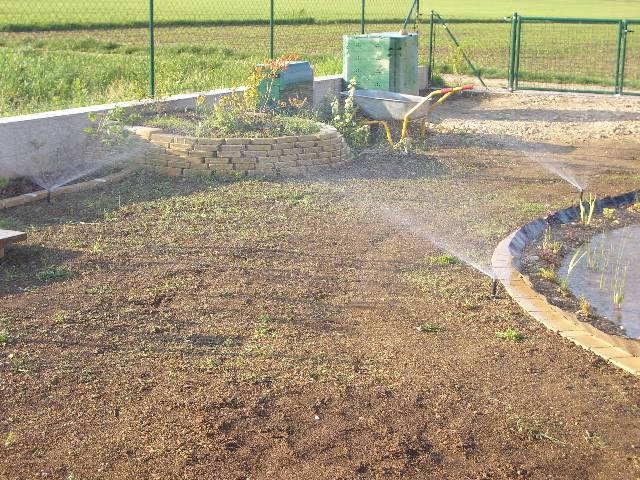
x: 406, y: 221
x: 53, y: 162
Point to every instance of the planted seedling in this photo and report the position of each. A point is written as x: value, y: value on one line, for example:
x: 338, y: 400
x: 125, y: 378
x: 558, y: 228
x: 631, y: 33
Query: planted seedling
x: 510, y: 335
x: 586, y: 212
x: 4, y: 337
x: 577, y: 256
x: 585, y: 308
x: 430, y: 328
x: 609, y: 213
x: 549, y: 274
x: 550, y: 246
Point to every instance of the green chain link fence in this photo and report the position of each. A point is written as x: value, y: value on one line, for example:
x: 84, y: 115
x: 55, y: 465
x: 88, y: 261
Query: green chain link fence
x: 540, y: 53
x: 61, y: 53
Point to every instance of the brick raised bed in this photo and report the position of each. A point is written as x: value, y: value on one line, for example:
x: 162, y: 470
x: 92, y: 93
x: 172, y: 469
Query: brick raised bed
x: 178, y: 155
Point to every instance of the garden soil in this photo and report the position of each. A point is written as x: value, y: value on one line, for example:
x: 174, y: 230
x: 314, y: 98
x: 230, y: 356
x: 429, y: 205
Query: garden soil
x: 191, y: 329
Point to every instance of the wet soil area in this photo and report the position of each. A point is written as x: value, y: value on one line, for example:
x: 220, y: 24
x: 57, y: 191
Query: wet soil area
x: 312, y: 328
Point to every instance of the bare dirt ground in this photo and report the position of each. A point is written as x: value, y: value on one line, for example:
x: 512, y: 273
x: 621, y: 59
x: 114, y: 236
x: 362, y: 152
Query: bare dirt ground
x: 176, y: 328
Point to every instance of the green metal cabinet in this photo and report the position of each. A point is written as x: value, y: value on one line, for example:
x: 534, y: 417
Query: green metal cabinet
x: 382, y: 61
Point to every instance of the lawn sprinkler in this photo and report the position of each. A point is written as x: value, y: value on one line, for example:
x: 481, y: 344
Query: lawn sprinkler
x: 581, y: 194
x: 494, y: 288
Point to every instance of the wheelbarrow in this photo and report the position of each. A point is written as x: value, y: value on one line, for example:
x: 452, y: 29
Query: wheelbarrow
x: 381, y: 107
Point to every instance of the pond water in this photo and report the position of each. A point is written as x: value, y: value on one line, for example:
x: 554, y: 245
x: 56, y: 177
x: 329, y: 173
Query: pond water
x: 605, y: 271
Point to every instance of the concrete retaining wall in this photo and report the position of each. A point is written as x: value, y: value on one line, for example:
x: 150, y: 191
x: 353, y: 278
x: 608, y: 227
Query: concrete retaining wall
x: 27, y: 137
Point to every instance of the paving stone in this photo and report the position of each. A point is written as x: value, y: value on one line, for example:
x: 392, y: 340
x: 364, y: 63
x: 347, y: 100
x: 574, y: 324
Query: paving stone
x: 630, y: 364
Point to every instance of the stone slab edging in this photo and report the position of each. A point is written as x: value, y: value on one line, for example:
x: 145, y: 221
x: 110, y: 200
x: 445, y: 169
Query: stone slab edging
x: 506, y: 263
x: 40, y: 195
x: 179, y: 155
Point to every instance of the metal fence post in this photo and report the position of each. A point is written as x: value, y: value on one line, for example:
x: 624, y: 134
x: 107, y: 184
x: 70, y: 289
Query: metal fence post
x: 623, y: 55
x: 618, y: 51
x: 362, y: 17
x: 430, y: 59
x: 152, y: 53
x: 516, y: 58
x: 512, y: 50
x: 271, y: 28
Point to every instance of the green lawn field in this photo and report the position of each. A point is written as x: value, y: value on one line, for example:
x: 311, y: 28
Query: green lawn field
x: 123, y: 12
x: 42, y: 70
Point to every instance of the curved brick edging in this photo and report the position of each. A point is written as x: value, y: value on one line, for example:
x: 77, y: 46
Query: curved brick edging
x: 178, y: 155
x: 74, y: 188
x: 620, y: 351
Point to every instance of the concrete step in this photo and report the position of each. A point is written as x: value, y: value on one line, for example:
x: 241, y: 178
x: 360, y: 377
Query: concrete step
x: 10, y: 236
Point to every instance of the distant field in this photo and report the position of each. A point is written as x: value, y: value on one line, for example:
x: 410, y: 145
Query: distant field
x: 43, y: 70
x: 60, y: 12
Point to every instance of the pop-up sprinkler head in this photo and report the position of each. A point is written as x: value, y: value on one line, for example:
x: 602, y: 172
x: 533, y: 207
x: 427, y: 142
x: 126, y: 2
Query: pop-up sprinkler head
x: 494, y: 288
x: 48, y: 196
x: 581, y: 194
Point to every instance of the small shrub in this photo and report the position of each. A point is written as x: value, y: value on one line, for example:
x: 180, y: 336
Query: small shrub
x: 585, y: 308
x: 437, y: 80
x: 510, y: 335
x: 469, y: 305
x: 356, y: 135
x: 4, y: 182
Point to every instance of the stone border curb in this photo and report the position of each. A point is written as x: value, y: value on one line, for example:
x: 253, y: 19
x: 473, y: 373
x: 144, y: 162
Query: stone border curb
x: 621, y: 352
x: 40, y: 195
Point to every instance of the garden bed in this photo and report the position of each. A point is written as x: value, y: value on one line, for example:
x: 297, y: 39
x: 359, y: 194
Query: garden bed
x: 550, y: 260
x: 17, y: 186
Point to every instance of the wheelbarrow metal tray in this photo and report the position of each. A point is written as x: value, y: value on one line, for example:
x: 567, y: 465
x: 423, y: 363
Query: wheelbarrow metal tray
x: 384, y: 105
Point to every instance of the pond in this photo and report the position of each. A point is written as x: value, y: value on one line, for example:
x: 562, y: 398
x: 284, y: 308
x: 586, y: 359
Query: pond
x: 605, y: 272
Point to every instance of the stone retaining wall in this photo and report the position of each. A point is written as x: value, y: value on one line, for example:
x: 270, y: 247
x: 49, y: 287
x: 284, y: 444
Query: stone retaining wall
x: 178, y: 155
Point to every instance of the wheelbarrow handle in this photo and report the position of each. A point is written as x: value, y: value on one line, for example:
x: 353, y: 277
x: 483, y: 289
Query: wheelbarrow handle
x: 453, y: 90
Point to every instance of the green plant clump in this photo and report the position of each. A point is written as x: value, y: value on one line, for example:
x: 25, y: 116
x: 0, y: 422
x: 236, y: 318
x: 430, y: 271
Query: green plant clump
x: 430, y: 328
x: 356, y: 135
x: 510, y: 335
x: 54, y: 274
x: 250, y: 113
x: 3, y: 183
x: 445, y: 259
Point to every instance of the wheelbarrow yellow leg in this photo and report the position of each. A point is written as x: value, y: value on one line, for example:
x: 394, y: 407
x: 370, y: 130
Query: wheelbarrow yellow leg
x: 423, y: 129
x: 445, y: 92
x: 386, y: 128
